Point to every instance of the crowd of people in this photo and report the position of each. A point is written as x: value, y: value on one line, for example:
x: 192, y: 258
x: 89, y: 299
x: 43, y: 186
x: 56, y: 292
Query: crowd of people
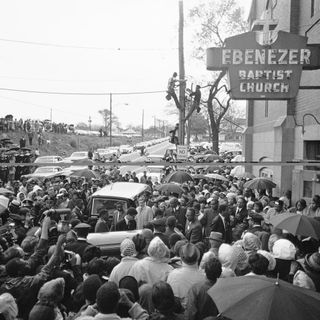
x: 183, y: 244
x: 9, y: 123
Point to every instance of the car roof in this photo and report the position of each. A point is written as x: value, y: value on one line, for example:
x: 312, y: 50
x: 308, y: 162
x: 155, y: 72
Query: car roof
x: 127, y: 190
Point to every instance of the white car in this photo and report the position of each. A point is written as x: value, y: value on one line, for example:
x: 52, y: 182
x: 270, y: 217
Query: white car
x: 49, y: 159
x: 76, y: 156
x: 125, y: 148
x: 108, y: 153
x: 45, y: 172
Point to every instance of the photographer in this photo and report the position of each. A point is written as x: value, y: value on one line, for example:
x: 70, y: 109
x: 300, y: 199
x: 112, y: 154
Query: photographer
x: 19, y: 281
x: 78, y: 246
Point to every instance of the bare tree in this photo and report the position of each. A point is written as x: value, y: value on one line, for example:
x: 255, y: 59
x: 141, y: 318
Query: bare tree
x: 105, y: 114
x: 217, y: 21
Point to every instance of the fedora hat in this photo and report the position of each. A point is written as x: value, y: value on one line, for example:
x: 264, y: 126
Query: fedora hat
x: 313, y: 261
x: 217, y: 236
x: 189, y: 253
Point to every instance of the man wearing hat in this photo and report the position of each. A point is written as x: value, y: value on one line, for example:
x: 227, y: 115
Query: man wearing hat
x: 308, y: 274
x: 159, y: 230
x: 215, y: 240
x: 182, y: 279
x: 13, y: 208
x: 78, y: 246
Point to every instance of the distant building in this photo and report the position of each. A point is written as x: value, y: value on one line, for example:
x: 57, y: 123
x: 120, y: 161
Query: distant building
x: 274, y: 131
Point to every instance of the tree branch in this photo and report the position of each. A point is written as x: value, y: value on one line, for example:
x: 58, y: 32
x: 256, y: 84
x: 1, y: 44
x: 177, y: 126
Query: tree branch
x: 175, y: 98
x: 225, y: 109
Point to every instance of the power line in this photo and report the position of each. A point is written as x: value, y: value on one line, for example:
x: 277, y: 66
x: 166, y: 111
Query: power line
x: 81, y: 93
x: 66, y: 46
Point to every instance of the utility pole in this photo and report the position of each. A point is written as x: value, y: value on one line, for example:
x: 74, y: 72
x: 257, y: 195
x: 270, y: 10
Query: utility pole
x: 142, y: 125
x: 181, y: 76
x: 110, y: 119
x: 89, y: 123
x: 154, y: 127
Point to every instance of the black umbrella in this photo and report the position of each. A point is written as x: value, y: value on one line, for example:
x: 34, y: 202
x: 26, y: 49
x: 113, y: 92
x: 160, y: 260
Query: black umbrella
x: 260, y: 184
x: 15, y: 148
x: 178, y: 176
x: 262, y: 298
x: 171, y: 188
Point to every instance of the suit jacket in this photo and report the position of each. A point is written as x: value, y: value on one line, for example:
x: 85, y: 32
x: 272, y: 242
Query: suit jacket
x: 206, y: 220
x: 241, y: 215
x: 218, y: 226
x: 78, y: 246
x: 123, y: 226
x: 193, y: 231
x: 179, y: 213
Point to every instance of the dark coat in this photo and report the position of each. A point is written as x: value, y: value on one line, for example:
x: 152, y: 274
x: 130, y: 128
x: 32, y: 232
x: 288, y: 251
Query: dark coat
x: 123, y: 226
x: 218, y: 226
x: 200, y: 304
x: 77, y: 246
x: 193, y: 232
x: 206, y: 220
x: 179, y: 213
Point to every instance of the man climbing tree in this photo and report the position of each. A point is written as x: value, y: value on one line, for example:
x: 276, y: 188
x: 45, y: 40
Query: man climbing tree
x: 197, y: 98
x: 173, y: 138
x: 172, y: 84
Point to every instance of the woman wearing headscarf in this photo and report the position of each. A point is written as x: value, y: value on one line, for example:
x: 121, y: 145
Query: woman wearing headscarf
x: 8, y: 307
x: 228, y: 258
x: 155, y: 267
x: 251, y: 243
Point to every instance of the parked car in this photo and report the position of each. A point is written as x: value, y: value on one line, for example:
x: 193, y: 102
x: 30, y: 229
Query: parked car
x: 76, y: 156
x: 45, y: 172
x: 125, y: 148
x: 49, y: 159
x: 107, y: 154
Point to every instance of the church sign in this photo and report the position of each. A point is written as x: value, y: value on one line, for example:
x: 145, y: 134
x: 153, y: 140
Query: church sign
x: 265, y: 72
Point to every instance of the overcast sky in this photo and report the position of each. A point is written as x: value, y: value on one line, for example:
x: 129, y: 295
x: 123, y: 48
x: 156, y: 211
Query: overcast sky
x: 89, y: 46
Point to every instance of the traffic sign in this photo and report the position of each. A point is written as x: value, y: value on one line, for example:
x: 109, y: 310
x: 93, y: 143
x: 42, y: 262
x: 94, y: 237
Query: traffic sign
x: 182, y: 152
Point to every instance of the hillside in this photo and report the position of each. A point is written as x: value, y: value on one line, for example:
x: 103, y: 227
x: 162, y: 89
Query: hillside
x: 65, y: 144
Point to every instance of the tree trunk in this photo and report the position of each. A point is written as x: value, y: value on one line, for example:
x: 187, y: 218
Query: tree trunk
x: 189, y: 122
x: 215, y: 139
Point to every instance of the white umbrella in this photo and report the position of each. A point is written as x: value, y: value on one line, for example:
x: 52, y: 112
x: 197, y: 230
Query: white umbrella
x: 3, y: 203
x: 237, y: 171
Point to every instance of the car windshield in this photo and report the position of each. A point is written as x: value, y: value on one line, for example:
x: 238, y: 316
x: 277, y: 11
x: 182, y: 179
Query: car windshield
x: 47, y: 169
x: 47, y: 159
x: 108, y: 204
x: 79, y: 154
